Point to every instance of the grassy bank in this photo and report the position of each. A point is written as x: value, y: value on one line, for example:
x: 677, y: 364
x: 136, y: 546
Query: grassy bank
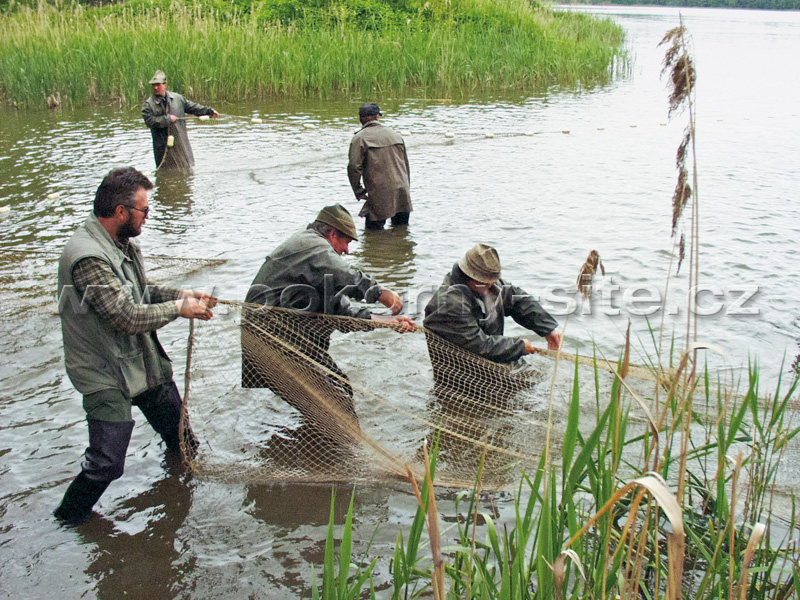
x: 86, y: 55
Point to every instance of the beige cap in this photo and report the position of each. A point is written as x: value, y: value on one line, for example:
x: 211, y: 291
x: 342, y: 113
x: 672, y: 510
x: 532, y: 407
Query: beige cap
x: 481, y: 263
x: 158, y: 77
x: 339, y: 218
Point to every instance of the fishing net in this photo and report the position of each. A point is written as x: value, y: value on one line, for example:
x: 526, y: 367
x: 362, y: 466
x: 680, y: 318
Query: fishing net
x: 276, y: 394
x: 280, y: 395
x: 29, y: 279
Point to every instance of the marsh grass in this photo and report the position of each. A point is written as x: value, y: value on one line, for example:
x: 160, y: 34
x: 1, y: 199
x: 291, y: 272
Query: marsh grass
x: 617, y: 516
x: 91, y: 56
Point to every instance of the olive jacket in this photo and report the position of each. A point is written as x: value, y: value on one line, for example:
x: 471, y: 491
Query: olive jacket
x: 305, y: 273
x: 156, y: 111
x: 97, y: 356
x: 475, y: 322
x: 378, y: 155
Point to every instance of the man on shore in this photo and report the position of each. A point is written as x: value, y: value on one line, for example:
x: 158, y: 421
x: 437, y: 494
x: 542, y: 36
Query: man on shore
x: 165, y: 114
x: 109, y: 317
x: 469, y: 307
x: 378, y: 156
x: 307, y: 273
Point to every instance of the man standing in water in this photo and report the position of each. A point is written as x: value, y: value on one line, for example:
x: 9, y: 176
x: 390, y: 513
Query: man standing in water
x: 109, y: 317
x: 378, y: 155
x: 307, y: 273
x: 469, y: 307
x: 165, y: 114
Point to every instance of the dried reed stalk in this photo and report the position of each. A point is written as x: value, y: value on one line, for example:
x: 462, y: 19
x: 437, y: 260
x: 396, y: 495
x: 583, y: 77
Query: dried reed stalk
x: 560, y: 570
x: 432, y: 522
x: 752, y: 544
x: 676, y: 543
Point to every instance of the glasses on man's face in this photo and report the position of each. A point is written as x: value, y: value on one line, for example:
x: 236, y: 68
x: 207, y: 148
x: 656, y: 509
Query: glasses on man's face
x: 145, y: 211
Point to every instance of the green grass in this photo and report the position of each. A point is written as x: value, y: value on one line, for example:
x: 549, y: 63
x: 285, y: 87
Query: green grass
x: 618, y: 530
x: 107, y: 55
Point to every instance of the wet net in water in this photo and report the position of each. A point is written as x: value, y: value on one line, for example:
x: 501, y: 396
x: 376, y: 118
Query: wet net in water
x: 276, y: 394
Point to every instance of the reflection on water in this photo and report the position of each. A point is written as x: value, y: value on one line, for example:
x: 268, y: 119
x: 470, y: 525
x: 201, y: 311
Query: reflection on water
x: 278, y: 505
x: 173, y: 196
x: 144, y: 564
x: 389, y: 256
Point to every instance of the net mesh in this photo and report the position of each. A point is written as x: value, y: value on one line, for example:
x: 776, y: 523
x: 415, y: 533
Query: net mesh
x: 269, y: 401
x: 274, y: 394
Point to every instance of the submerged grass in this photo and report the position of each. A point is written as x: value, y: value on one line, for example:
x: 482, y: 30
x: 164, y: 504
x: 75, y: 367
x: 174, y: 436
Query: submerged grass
x: 97, y: 56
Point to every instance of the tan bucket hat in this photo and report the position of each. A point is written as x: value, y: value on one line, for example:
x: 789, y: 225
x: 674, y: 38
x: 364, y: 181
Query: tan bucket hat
x: 158, y: 77
x: 339, y: 218
x: 481, y: 263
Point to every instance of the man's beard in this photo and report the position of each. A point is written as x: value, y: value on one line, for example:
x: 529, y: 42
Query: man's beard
x: 127, y: 230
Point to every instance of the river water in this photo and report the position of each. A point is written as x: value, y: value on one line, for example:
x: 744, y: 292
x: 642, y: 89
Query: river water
x: 598, y: 173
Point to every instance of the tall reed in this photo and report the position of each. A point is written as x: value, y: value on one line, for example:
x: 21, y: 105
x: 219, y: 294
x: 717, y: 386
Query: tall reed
x: 88, y: 56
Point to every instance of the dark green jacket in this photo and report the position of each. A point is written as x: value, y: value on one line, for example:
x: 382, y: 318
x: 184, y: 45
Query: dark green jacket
x: 461, y: 317
x: 378, y: 155
x: 305, y: 273
x: 156, y: 111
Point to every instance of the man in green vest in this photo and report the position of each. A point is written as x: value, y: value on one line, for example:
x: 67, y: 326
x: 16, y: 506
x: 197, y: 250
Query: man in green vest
x: 109, y: 317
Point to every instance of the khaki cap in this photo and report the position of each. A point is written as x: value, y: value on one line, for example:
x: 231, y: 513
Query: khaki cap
x: 481, y: 263
x: 158, y: 77
x: 339, y: 218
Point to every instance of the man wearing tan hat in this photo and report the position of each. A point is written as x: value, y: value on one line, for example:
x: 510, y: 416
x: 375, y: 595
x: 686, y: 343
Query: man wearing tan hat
x: 469, y: 307
x: 165, y: 114
x: 307, y: 273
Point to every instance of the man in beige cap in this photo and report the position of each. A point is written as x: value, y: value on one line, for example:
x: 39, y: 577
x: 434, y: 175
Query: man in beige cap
x: 469, y: 307
x: 165, y: 114
x: 307, y: 273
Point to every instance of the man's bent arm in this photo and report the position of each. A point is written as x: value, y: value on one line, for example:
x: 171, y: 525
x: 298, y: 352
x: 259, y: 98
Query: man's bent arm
x: 103, y: 291
x: 193, y: 108
x: 525, y: 310
x: 153, y: 121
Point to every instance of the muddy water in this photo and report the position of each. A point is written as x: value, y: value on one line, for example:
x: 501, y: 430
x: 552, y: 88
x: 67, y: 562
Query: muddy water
x: 544, y: 200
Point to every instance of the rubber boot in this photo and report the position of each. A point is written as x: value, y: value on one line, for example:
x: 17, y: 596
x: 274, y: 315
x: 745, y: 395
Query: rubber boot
x: 80, y: 497
x: 105, y: 462
x: 162, y: 409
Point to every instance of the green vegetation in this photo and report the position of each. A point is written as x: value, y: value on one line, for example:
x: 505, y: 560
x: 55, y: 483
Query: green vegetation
x: 625, y: 533
x: 81, y: 55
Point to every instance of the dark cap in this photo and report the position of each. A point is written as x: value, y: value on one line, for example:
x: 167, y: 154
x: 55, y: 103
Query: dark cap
x: 339, y: 218
x: 370, y: 109
x: 481, y: 263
